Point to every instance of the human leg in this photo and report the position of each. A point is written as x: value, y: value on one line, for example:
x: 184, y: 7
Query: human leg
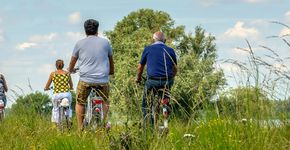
x: 83, y: 91
x: 104, y: 93
x: 54, y: 112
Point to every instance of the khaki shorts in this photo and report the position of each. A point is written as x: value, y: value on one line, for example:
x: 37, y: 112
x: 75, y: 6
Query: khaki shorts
x: 84, y: 89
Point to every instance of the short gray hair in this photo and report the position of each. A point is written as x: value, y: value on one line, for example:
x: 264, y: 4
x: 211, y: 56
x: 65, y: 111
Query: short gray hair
x: 159, y: 36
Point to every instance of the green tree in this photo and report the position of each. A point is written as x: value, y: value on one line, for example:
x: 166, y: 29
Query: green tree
x: 197, y: 79
x: 244, y: 102
x: 36, y: 102
x: 129, y: 38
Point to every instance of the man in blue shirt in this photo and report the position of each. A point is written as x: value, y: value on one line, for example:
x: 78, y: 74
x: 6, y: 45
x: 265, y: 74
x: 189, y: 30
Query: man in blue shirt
x: 161, y: 67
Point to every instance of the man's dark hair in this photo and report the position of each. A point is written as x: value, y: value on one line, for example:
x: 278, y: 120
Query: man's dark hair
x: 91, y: 26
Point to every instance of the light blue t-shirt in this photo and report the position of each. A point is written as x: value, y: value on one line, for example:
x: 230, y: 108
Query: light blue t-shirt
x: 93, y: 54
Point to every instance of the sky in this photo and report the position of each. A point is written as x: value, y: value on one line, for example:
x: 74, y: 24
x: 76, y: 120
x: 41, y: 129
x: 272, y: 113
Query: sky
x: 34, y: 33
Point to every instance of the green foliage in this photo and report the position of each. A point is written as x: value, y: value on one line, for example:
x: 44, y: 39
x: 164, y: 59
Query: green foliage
x: 201, y: 44
x: 129, y: 38
x: 243, y: 102
x: 33, y: 103
x: 197, y: 80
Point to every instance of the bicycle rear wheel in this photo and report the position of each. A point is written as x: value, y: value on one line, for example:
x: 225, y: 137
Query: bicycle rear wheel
x: 63, y: 121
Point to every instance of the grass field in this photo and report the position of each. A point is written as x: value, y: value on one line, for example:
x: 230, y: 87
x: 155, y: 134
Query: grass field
x: 32, y: 131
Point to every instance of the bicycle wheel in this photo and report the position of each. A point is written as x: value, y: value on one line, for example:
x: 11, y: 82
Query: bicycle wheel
x: 155, y: 112
x: 66, y: 114
x: 164, y: 112
x: 149, y: 111
x: 61, y: 121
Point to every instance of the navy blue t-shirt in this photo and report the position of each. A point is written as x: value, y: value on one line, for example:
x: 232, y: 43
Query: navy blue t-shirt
x: 154, y: 56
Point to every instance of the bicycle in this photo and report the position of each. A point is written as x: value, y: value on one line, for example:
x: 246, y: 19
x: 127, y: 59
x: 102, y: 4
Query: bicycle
x: 94, y: 116
x: 63, y: 106
x: 2, y: 110
x: 158, y: 98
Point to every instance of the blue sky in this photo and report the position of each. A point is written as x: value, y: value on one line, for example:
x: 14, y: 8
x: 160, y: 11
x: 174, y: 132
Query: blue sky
x: 34, y: 33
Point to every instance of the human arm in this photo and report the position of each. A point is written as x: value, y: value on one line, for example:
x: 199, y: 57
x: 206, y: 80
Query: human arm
x: 5, y: 84
x: 74, y: 58
x: 174, y: 70
x: 112, y: 68
x: 48, y: 83
x: 140, y: 69
x: 141, y: 66
x: 72, y: 64
x: 70, y: 83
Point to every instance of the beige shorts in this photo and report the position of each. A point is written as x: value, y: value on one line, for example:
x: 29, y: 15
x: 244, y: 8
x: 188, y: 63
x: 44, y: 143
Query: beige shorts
x: 84, y: 89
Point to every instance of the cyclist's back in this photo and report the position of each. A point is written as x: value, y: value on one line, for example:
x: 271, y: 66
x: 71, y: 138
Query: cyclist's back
x: 92, y: 53
x: 94, y: 56
x: 161, y: 67
x: 62, y: 85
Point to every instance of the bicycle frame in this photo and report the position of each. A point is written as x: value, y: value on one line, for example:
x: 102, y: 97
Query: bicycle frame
x: 94, y: 110
x: 63, y: 106
x: 158, y: 98
x: 63, y: 109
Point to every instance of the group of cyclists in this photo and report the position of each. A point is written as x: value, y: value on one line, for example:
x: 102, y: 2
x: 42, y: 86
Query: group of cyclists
x: 95, y: 64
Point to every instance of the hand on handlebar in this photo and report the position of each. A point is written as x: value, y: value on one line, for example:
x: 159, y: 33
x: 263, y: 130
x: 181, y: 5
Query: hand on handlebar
x: 48, y: 88
x: 138, y: 80
x: 74, y: 70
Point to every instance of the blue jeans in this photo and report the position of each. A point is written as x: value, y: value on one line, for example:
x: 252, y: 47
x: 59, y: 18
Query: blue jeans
x: 149, y: 86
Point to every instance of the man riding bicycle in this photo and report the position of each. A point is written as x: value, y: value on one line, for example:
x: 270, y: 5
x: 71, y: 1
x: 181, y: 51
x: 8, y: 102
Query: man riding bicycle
x: 161, y: 67
x: 95, y: 60
x: 3, y: 89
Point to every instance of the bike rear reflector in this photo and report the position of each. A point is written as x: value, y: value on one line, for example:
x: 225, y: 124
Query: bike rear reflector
x: 97, y: 101
x: 165, y: 101
x: 97, y: 109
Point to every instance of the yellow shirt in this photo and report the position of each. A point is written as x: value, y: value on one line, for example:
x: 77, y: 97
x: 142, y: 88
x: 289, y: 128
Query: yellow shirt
x: 61, y: 82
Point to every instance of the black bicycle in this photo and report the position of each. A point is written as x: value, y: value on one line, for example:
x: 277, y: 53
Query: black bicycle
x: 158, y: 105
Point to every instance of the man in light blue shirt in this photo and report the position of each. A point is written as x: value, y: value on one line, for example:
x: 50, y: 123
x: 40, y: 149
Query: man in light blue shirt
x: 95, y: 59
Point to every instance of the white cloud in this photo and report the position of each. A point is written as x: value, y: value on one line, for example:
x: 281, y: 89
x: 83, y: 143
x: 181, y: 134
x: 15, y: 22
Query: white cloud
x: 74, y: 18
x: 230, y: 68
x: 280, y: 67
x: 25, y: 45
x: 240, y: 31
x: 75, y: 36
x: 284, y: 32
x: 45, y: 69
x: 287, y: 15
x: 36, y: 40
x: 43, y: 38
x: 215, y: 2
x: 53, y: 52
x: 253, y: 1
x: 208, y: 2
